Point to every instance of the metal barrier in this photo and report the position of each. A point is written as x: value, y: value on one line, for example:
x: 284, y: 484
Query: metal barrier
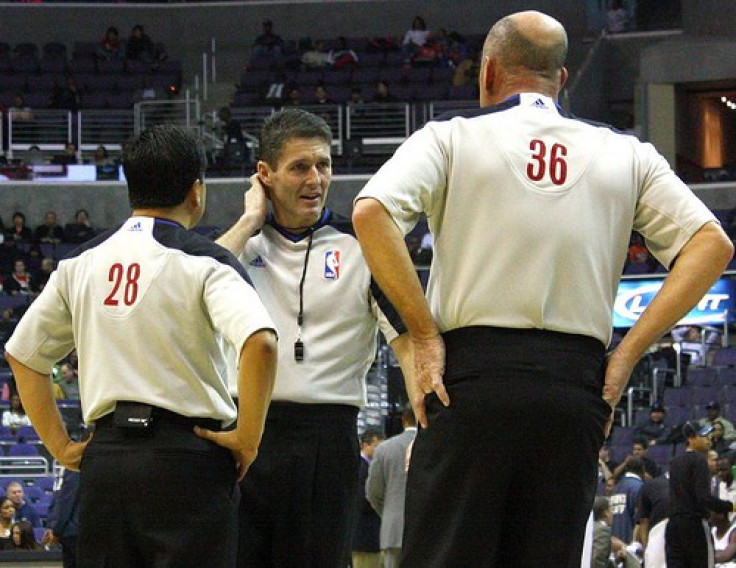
x: 19, y: 466
x: 109, y: 128
x: 185, y: 112
x: 47, y: 129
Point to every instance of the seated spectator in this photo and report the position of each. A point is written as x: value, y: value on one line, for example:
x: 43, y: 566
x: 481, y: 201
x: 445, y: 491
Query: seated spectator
x: 24, y: 511
x: 15, y: 416
x: 726, y: 485
x: 639, y: 254
x: 19, y: 281
x: 383, y: 94
x: 653, y: 430
x: 316, y: 57
x: 321, y: 97
x: 102, y: 157
x: 140, y: 47
x: 34, y: 156
x: 606, y: 464
x: 718, y: 442
x: 235, y: 151
x: 457, y: 50
x: 268, y: 43
x: 20, y: 110
x: 68, y: 157
x: 67, y: 97
x: 415, y: 37
x: 50, y: 232
x: 23, y: 537
x: 41, y: 277
x: 110, y: 46
x: 294, y: 98
x: 341, y: 56
x: 617, y: 18
x: 713, y: 415
x: 69, y: 381
x: 695, y: 342
x: 7, y: 514
x: 81, y: 229
x: 638, y: 454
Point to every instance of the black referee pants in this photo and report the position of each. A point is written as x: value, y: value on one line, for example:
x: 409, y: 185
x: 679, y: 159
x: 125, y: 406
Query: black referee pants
x: 298, y: 498
x: 506, y: 475
x: 165, y: 500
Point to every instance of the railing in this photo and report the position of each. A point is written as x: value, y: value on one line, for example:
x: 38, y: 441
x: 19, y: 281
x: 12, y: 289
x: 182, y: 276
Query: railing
x: 18, y: 466
x: 47, y: 129
x: 184, y: 112
x: 110, y: 128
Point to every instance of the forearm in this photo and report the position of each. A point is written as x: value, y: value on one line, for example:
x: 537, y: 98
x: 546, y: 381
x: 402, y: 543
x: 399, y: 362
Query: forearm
x: 36, y: 392
x: 388, y: 258
x: 700, y: 263
x: 237, y: 236
x: 256, y: 375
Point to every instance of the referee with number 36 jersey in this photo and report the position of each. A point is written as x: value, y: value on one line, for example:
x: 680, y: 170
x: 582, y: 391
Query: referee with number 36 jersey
x: 152, y: 310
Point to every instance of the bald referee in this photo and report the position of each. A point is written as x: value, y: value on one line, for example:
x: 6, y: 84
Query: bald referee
x: 150, y: 307
x: 531, y: 212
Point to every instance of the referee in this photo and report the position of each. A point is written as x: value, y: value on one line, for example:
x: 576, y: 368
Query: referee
x: 150, y: 307
x: 688, y: 542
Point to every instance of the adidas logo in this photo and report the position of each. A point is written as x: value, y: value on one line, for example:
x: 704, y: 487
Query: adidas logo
x: 258, y: 262
x: 539, y: 103
x: 136, y: 227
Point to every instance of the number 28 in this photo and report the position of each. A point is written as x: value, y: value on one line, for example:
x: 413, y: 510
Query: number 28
x: 130, y: 289
x: 541, y: 165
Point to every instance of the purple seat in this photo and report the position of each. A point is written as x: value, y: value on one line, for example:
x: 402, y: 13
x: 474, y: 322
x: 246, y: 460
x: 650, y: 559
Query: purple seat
x: 443, y: 75
x: 137, y: 67
x: 371, y: 60
x: 392, y: 75
x: 394, y: 59
x: 255, y: 80
x: 677, y: 415
x: 675, y: 397
x: 84, y: 49
x: 336, y: 77
x: 129, y: 83
x: 82, y: 65
x: 54, y: 49
x: 431, y: 92
x: 15, y: 83
x: 418, y: 74
x: 43, y: 82
x: 35, y: 494
x: 101, y: 83
x: 339, y: 93
x: 110, y: 66
x: 170, y: 66
x: 365, y: 75
x: 661, y: 454
x: 701, y: 376
x: 701, y: 396
x: 725, y: 357
x: 120, y: 100
x: 727, y: 376
x: 622, y: 436
x: 403, y: 93
x: 24, y: 64
x: 23, y: 449
x: 247, y: 99
x: 26, y: 49
x: 93, y: 100
x: 52, y: 65
x: 37, y: 100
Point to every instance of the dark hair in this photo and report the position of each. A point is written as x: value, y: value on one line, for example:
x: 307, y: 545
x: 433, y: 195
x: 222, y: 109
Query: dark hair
x: 370, y: 434
x: 27, y: 538
x: 161, y: 164
x: 19, y: 214
x: 291, y: 123
x: 112, y: 29
x: 635, y: 465
x: 600, y: 506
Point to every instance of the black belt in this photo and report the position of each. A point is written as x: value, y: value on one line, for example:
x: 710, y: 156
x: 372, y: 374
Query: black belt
x: 162, y: 415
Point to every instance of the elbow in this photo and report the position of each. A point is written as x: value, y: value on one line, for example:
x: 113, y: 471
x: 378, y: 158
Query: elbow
x: 364, y: 214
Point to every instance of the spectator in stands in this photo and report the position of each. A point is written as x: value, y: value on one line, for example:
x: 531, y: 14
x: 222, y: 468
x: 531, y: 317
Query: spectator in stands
x: 653, y: 508
x: 68, y: 157
x: 140, y: 47
x: 34, y: 156
x: 638, y: 453
x: 44, y: 273
x: 102, y: 157
x: 718, y: 442
x: 383, y: 93
x: 639, y: 255
x: 625, y: 498
x: 18, y: 232
x: 7, y: 514
x: 713, y: 414
x: 606, y: 464
x: 20, y: 110
x: 316, y: 57
x: 81, y: 229
x: 695, y: 342
x: 653, y: 430
x: 19, y: 281
x: 15, y: 416
x: 50, y: 233
x: 110, y: 46
x: 617, y: 18
x: 340, y: 56
x: 294, y: 98
x: 321, y: 97
x: 23, y: 537
x: 268, y: 44
x: 726, y: 486
x: 67, y: 97
x: 24, y: 511
x: 415, y: 37
x: 69, y: 382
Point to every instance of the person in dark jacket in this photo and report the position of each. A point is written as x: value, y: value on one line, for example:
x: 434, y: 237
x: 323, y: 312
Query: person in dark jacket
x: 64, y: 518
x: 688, y: 542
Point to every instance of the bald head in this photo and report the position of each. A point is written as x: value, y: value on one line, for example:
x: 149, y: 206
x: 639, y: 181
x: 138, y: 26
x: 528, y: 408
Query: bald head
x: 529, y: 42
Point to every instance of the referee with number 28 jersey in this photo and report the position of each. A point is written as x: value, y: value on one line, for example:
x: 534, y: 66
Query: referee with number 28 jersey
x: 150, y: 308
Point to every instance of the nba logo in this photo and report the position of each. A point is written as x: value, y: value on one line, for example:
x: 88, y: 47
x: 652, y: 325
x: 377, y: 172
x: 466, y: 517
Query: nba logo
x: 332, y: 264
